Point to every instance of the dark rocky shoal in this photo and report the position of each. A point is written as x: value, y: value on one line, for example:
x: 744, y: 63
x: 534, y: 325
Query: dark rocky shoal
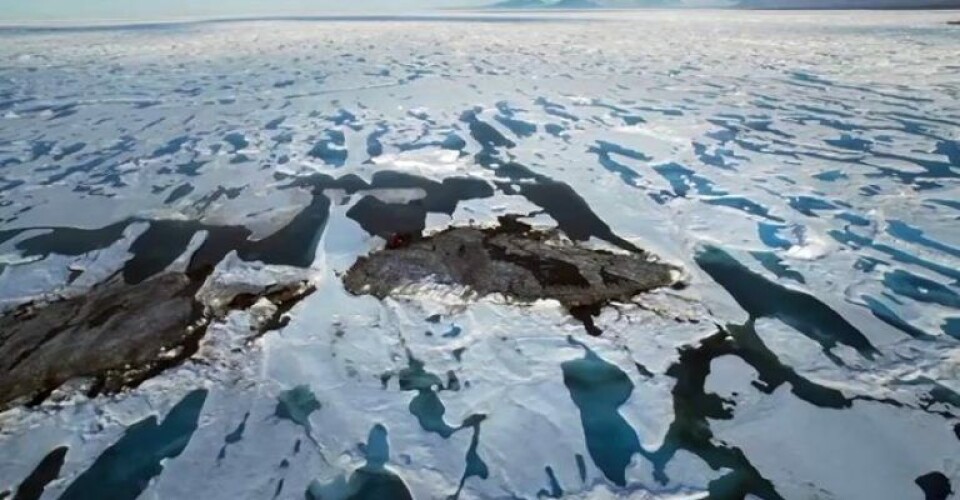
x: 117, y: 334
x: 514, y: 260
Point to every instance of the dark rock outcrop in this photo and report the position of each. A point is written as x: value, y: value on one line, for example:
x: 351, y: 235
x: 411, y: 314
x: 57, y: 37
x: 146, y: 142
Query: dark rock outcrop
x: 117, y: 334
x: 514, y: 260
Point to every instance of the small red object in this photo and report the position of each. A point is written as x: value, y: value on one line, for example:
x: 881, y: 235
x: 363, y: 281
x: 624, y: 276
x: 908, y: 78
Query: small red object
x: 398, y: 240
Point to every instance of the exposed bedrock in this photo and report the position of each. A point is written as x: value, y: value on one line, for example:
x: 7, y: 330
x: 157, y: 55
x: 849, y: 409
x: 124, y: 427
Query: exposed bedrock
x: 119, y: 334
x: 514, y: 260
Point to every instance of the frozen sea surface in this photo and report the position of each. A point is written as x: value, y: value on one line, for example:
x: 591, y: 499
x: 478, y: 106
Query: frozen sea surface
x: 803, y: 168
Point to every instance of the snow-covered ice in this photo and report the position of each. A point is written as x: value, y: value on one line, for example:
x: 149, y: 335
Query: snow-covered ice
x: 803, y: 169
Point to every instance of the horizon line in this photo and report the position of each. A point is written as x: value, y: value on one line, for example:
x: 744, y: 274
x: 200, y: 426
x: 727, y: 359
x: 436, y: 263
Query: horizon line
x: 454, y: 14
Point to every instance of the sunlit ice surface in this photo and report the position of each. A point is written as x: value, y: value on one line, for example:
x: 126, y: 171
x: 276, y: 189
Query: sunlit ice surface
x: 800, y: 168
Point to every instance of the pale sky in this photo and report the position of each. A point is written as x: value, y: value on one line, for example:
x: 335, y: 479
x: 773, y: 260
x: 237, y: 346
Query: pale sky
x: 14, y: 11
x: 19, y: 10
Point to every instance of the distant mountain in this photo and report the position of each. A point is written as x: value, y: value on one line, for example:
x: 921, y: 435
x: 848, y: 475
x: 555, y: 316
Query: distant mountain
x: 544, y: 4
x: 575, y: 4
x: 848, y: 4
x: 736, y: 4
x: 517, y: 4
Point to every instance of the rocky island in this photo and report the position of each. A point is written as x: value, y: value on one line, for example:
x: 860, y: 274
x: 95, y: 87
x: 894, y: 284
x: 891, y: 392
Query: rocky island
x: 514, y: 260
